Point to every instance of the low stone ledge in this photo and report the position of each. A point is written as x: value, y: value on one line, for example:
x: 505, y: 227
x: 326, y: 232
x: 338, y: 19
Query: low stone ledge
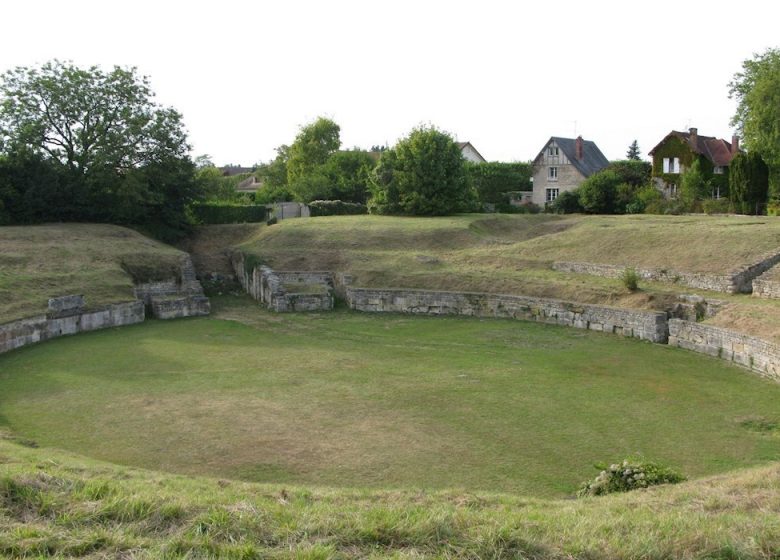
x: 177, y: 307
x: 645, y: 325
x: 37, y: 329
x: 759, y: 355
x: 739, y: 280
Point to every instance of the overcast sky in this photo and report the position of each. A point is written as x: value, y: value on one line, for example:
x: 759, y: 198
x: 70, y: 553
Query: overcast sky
x: 504, y: 75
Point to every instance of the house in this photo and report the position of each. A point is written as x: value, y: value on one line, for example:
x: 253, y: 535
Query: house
x: 677, y: 152
x: 470, y: 153
x: 562, y: 165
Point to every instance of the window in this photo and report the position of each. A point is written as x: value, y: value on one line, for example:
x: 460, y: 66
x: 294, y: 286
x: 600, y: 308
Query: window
x: 671, y: 165
x: 550, y: 195
x: 718, y: 170
x: 552, y: 174
x: 552, y: 151
x: 672, y: 191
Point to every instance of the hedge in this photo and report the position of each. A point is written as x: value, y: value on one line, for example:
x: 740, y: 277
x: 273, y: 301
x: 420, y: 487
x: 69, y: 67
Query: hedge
x: 221, y: 213
x: 336, y: 208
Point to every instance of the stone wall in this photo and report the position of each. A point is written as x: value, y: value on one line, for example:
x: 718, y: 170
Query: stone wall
x: 175, y: 297
x: 176, y: 307
x: 57, y: 323
x: 279, y: 290
x: 766, y: 288
x: 645, y: 325
x: 739, y: 280
x: 758, y: 355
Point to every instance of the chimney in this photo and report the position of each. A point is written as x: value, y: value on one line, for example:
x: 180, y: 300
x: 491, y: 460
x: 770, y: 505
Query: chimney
x: 734, y: 144
x: 578, y: 148
x: 694, y: 137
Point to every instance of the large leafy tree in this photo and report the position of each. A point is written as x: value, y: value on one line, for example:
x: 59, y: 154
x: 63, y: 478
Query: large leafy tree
x: 104, y: 136
x: 757, y: 90
x: 424, y: 174
x: 312, y: 148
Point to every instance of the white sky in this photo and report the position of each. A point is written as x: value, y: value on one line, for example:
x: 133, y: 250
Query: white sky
x: 504, y: 75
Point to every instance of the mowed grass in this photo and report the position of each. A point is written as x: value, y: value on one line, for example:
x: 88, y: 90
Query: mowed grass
x: 378, y: 401
x: 40, y: 262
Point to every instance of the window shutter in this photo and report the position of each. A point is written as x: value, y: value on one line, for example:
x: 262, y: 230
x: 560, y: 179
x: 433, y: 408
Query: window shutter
x: 666, y: 165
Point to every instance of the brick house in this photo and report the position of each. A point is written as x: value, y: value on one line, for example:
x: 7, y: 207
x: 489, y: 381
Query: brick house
x: 562, y: 165
x: 677, y: 152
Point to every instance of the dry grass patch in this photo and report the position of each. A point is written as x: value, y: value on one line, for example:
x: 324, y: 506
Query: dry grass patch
x: 39, y: 262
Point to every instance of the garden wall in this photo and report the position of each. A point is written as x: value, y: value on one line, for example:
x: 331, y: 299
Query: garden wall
x: 759, y: 355
x: 645, y: 325
x: 736, y: 281
x: 71, y: 320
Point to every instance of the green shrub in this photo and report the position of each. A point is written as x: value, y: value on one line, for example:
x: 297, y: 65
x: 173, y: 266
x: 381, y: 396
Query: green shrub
x: 226, y: 213
x: 717, y: 206
x: 568, y: 202
x: 773, y: 209
x: 629, y: 475
x: 336, y: 208
x: 630, y: 279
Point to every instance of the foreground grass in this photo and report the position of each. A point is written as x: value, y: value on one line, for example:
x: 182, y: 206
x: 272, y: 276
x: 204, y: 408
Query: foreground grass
x: 346, y: 399
x: 39, y: 262
x: 53, y: 504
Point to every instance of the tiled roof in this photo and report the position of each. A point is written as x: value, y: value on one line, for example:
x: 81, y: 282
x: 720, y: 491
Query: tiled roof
x: 592, y: 158
x: 717, y: 150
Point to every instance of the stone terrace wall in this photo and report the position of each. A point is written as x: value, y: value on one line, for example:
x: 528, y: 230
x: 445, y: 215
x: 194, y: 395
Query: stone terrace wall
x: 736, y: 281
x: 268, y: 287
x: 645, y: 325
x: 175, y: 297
x: 52, y: 325
x: 182, y: 306
x: 766, y: 288
x: 759, y: 355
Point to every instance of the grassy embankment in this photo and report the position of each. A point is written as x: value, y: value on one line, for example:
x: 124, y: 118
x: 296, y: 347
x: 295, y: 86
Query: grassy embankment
x: 97, y: 260
x: 346, y: 399
x: 54, y: 504
x: 513, y: 254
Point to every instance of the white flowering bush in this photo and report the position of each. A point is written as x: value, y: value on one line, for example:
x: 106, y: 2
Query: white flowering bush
x: 631, y: 474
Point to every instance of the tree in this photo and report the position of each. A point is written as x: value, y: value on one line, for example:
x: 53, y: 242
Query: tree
x: 104, y: 138
x: 693, y: 186
x: 598, y: 192
x: 312, y: 147
x: 424, y: 174
x: 757, y: 90
x: 633, y: 151
x: 348, y: 175
x: 748, y: 182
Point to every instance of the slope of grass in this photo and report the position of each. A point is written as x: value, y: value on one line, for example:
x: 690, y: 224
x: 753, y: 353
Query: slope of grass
x: 39, y: 262
x: 699, y: 243
x: 54, y: 504
x: 347, y: 399
x: 512, y: 254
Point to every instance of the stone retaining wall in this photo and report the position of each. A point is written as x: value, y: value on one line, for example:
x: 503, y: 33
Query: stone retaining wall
x: 272, y: 288
x: 736, y: 281
x: 177, y: 307
x: 759, y: 355
x: 175, y: 297
x: 52, y: 325
x: 645, y: 325
x: 766, y: 288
